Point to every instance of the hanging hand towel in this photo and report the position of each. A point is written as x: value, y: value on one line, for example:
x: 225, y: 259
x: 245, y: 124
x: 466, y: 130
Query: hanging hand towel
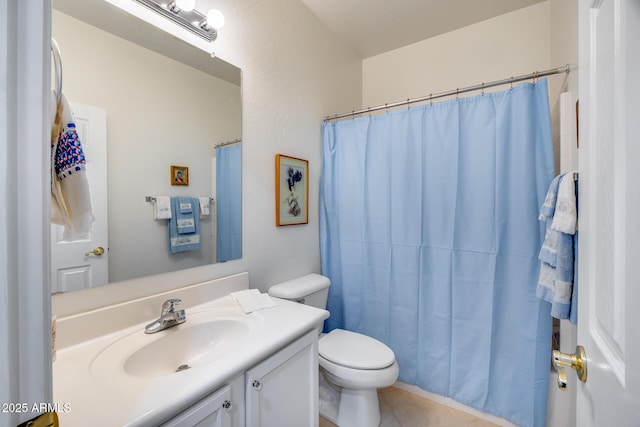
x: 185, y: 205
x: 184, y: 241
x: 565, y: 218
x: 70, y: 195
x: 185, y: 215
x: 550, y: 245
x: 549, y: 206
x: 557, y: 283
x: 162, y: 207
x: 204, y: 205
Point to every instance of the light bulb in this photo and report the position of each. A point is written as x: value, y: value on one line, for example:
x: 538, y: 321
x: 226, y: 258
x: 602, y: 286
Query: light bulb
x: 186, y: 5
x: 215, y: 19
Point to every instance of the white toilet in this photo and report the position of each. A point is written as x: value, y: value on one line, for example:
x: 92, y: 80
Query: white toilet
x: 352, y: 366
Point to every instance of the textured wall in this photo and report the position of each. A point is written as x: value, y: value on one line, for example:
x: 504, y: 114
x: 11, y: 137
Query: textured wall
x: 294, y: 73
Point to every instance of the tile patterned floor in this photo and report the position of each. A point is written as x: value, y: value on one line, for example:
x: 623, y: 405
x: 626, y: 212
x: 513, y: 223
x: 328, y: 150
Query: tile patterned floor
x: 399, y: 408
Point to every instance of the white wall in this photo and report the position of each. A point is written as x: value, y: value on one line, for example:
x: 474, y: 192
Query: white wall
x: 159, y: 113
x: 509, y: 45
x: 295, y: 72
x: 563, y: 50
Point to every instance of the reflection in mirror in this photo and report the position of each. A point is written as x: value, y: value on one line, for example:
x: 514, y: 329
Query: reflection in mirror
x: 229, y: 201
x: 145, y: 101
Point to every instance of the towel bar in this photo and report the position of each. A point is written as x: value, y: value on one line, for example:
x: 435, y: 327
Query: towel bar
x: 152, y: 199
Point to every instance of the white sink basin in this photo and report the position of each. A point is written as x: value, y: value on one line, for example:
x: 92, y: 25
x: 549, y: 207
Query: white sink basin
x: 203, y: 338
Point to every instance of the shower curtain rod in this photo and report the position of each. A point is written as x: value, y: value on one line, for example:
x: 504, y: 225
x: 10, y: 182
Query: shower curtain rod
x: 456, y: 92
x: 222, y: 144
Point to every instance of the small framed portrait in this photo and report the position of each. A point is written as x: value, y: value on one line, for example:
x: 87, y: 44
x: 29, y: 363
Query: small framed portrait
x: 292, y: 190
x: 179, y: 175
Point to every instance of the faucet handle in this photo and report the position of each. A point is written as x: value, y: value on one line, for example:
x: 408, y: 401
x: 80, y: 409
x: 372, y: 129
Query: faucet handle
x: 169, y: 305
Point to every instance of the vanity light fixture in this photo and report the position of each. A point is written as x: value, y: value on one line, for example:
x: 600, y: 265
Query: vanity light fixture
x: 183, y: 13
x: 186, y: 5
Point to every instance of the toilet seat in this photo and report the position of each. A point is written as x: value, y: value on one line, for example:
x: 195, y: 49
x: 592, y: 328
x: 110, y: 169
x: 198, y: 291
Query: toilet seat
x: 358, y: 379
x: 355, y: 351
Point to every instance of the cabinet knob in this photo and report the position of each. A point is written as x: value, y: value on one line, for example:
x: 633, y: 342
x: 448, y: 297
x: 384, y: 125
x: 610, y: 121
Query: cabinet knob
x: 227, y: 406
x: 257, y: 385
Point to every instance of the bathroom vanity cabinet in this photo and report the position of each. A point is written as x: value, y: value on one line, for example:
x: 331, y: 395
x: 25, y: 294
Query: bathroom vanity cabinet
x: 280, y: 391
x: 283, y: 389
x: 214, y: 410
x: 244, y: 370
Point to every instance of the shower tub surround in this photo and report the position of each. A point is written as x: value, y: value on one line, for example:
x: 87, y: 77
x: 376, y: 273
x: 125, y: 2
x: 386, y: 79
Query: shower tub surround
x: 108, y: 372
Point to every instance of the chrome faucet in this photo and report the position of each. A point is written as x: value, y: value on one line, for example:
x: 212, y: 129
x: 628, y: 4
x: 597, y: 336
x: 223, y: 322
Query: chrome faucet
x: 169, y: 317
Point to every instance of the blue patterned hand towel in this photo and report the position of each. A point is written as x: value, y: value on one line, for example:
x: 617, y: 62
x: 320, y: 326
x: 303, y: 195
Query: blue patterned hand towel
x: 557, y: 283
x: 184, y: 228
x: 184, y: 213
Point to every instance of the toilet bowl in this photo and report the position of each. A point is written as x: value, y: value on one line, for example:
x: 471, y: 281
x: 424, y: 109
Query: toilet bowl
x: 352, y: 365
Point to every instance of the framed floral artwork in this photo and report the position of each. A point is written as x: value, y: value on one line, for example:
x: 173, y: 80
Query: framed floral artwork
x: 292, y: 190
x: 179, y: 175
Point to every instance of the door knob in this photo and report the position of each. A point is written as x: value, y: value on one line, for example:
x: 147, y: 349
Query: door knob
x: 97, y: 251
x: 577, y: 361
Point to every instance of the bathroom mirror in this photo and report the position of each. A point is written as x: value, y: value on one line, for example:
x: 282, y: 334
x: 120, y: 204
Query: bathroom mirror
x: 159, y: 103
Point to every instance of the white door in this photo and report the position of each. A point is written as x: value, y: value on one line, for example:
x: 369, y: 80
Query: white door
x: 71, y: 268
x: 609, y: 252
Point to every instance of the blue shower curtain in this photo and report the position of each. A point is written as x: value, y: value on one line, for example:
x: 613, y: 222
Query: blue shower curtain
x: 229, y: 202
x: 429, y: 233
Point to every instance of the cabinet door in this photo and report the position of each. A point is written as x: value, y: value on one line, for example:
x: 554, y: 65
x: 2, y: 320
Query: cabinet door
x: 283, y: 390
x: 212, y: 411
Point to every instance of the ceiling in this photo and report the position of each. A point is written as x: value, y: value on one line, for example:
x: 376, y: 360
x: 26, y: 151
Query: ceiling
x: 373, y: 27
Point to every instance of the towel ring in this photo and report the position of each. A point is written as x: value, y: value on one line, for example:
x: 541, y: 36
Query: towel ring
x: 57, y: 62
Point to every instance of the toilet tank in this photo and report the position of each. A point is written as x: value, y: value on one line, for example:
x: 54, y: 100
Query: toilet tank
x: 311, y: 289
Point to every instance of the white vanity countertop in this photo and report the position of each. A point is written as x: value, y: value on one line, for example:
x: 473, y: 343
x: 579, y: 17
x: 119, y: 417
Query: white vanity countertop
x: 116, y: 398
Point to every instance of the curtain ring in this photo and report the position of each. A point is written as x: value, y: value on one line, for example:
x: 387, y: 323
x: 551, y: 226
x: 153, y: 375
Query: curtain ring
x: 386, y: 107
x: 482, y: 89
x: 408, y: 103
x: 430, y: 99
x: 457, y: 92
x: 511, y: 82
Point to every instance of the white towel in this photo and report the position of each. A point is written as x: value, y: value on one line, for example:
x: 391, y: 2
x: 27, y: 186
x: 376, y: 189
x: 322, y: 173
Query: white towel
x: 565, y: 218
x: 162, y: 207
x: 252, y: 300
x: 70, y: 195
x: 204, y: 206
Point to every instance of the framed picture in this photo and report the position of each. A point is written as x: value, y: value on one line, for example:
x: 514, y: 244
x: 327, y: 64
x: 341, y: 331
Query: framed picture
x: 179, y: 175
x: 292, y: 190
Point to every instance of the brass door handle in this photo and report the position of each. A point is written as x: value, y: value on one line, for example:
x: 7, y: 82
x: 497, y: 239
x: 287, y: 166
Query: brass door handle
x: 97, y: 251
x: 577, y: 361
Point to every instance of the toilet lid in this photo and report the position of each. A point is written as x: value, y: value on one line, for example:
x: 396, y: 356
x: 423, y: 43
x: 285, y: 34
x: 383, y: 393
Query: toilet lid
x: 355, y: 350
